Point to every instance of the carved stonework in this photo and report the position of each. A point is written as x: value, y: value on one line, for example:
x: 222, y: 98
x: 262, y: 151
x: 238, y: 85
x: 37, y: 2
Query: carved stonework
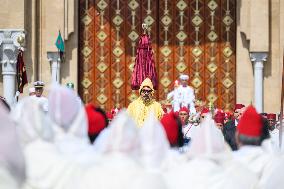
x: 9, y: 47
x: 258, y: 56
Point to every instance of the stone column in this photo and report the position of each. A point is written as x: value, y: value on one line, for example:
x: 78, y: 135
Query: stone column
x: 258, y: 58
x: 54, y: 59
x: 9, y: 46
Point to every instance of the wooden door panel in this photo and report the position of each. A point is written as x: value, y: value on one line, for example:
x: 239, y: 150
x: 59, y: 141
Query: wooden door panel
x: 195, y: 37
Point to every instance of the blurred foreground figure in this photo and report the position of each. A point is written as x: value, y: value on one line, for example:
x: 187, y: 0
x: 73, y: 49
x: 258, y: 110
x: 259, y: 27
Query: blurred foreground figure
x: 120, y: 147
x: 140, y: 108
x: 209, y: 163
x: 31, y: 121
x: 251, y: 134
x: 59, y: 160
x: 5, y: 103
x: 12, y: 164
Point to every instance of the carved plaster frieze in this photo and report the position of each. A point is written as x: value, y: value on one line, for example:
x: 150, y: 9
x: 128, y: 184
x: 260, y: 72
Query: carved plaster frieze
x: 53, y: 57
x: 258, y: 56
x: 10, y: 40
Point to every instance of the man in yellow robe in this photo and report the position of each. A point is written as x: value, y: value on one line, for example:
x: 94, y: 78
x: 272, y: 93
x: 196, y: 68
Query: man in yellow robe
x: 140, y: 108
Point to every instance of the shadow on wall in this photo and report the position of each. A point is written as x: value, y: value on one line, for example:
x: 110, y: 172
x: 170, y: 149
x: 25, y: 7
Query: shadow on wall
x: 268, y: 65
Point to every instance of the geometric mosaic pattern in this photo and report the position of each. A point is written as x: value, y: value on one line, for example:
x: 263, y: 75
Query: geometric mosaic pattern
x: 195, y: 37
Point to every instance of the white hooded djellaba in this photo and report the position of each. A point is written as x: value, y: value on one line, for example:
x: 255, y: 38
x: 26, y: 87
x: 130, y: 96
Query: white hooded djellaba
x: 209, y: 164
x: 119, y: 145
x: 32, y: 123
x: 12, y: 164
x: 59, y: 162
x: 156, y: 153
x: 154, y: 143
x: 36, y: 138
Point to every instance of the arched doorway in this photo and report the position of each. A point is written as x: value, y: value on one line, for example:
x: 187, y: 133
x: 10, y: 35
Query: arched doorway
x: 195, y: 37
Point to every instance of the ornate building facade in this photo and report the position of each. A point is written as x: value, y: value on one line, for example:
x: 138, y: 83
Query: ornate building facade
x: 231, y: 50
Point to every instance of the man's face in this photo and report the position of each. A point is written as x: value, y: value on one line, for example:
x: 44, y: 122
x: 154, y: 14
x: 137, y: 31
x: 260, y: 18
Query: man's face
x: 183, y: 82
x: 183, y: 116
x: 38, y: 92
x: 146, y: 94
x: 219, y: 125
x: 272, y: 123
x: 237, y: 114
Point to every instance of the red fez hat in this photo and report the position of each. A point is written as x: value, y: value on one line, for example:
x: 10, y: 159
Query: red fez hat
x: 112, y: 111
x: 165, y: 110
x: 250, y: 123
x: 170, y: 124
x: 239, y: 106
x: 219, y: 117
x: 184, y: 109
x: 205, y: 111
x: 271, y: 116
x: 96, y: 120
x: 109, y: 115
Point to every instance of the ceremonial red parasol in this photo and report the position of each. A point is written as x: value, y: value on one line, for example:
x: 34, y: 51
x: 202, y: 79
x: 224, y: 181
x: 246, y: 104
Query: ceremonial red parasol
x: 144, y: 62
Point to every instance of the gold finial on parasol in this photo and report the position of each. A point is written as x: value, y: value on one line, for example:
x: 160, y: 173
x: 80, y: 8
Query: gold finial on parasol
x: 145, y: 27
x: 21, y: 40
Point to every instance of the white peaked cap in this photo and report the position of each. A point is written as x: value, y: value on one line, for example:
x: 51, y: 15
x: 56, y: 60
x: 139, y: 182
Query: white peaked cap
x: 38, y: 84
x: 183, y: 77
x: 154, y: 142
x: 121, y: 136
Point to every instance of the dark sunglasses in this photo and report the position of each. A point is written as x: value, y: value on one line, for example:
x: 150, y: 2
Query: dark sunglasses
x: 146, y: 91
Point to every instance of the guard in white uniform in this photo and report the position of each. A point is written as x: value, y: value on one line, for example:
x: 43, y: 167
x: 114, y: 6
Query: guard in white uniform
x: 38, y: 85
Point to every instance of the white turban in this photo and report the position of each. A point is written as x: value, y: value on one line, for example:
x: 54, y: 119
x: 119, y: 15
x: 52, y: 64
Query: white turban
x: 183, y: 77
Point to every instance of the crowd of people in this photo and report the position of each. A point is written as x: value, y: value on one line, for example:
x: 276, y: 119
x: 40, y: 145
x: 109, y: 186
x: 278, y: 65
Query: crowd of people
x: 58, y: 142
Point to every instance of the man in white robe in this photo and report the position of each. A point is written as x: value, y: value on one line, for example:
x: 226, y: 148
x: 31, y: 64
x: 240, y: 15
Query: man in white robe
x: 267, y: 166
x: 122, y: 152
x: 183, y: 95
x: 209, y: 163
